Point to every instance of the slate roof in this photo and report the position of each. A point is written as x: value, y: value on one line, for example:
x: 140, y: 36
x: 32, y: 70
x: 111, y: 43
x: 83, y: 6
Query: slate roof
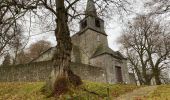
x: 99, y: 51
x: 76, y: 52
x: 48, y: 50
x: 106, y: 50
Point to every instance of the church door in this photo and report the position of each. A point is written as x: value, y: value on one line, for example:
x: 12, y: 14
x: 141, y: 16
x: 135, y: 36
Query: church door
x: 119, y: 74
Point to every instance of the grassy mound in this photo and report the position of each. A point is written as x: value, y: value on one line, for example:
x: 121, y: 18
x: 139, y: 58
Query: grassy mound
x: 87, y: 91
x: 21, y: 91
x: 161, y: 93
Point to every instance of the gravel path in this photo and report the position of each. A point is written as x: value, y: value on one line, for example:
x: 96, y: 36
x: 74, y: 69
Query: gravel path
x: 137, y: 94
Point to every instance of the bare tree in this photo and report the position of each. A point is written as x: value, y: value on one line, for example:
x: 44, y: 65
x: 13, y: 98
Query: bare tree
x: 32, y: 52
x: 147, y: 46
x: 135, y: 66
x: 36, y: 49
x: 7, y: 60
x: 158, y: 6
x: 23, y: 57
x: 17, y: 44
x: 9, y: 27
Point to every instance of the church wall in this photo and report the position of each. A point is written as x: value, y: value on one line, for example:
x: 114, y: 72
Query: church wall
x: 75, y: 39
x: 105, y: 61
x: 88, y: 43
x: 98, y: 61
x: 109, y: 63
x: 40, y: 71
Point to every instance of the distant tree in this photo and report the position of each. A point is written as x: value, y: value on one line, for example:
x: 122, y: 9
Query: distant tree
x: 23, y: 57
x: 11, y: 37
x: 17, y: 44
x: 158, y: 6
x: 147, y: 46
x: 34, y: 50
x: 7, y: 60
x: 37, y: 48
x: 9, y: 27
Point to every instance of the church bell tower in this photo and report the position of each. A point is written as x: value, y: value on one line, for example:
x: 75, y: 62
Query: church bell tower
x: 91, y: 36
x: 91, y: 20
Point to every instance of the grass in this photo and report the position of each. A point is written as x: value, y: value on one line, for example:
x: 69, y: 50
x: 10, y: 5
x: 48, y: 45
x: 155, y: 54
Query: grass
x: 161, y: 93
x: 21, y: 91
x: 88, y: 91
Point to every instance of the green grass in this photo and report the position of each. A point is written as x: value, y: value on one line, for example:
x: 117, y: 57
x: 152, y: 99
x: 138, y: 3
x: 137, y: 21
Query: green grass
x: 161, y: 93
x: 88, y: 91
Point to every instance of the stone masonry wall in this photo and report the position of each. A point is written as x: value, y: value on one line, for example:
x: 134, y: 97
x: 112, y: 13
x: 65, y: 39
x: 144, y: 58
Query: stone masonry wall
x: 40, y: 71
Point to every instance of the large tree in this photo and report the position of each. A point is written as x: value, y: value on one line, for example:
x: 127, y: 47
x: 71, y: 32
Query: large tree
x: 147, y: 47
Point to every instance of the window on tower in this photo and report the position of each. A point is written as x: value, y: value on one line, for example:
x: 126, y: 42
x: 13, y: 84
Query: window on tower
x: 84, y: 24
x: 97, y: 22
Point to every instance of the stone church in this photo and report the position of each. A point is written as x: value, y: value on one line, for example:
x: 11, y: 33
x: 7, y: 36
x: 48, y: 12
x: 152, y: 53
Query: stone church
x: 90, y: 47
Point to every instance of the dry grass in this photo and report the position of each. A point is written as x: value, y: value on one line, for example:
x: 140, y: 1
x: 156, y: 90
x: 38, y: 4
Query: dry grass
x: 21, y: 91
x: 161, y: 93
x: 92, y: 90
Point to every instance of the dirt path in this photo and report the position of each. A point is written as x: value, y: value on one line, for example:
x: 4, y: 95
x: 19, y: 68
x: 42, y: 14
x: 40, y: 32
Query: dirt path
x: 137, y: 94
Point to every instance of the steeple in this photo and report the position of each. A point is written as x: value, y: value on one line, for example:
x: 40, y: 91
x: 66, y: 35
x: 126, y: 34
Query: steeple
x: 90, y: 9
x: 91, y: 20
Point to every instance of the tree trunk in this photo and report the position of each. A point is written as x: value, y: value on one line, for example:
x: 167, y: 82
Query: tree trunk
x: 146, y: 78
x: 147, y: 81
x: 62, y: 75
x: 16, y: 55
x: 138, y: 73
x: 157, y: 76
x: 62, y: 56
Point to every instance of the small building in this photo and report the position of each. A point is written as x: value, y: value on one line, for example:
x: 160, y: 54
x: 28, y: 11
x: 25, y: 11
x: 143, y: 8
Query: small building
x: 90, y: 47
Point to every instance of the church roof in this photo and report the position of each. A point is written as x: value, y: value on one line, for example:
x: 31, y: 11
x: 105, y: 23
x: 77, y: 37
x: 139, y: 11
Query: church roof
x: 106, y: 50
x: 76, y: 52
x: 90, y: 8
x: 43, y: 53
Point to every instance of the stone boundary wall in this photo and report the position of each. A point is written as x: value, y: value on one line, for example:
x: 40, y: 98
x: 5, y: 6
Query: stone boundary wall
x: 40, y: 71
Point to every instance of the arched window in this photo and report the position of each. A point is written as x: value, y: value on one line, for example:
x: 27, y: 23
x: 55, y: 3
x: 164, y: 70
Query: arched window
x: 84, y: 24
x: 97, y: 22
